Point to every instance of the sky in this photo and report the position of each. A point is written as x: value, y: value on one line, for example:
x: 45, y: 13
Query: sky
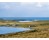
x: 24, y: 9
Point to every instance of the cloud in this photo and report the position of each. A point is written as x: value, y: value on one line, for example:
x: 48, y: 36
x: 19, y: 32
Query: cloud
x: 14, y: 5
x: 6, y: 7
x: 9, y: 5
x: 21, y: 9
x: 35, y: 4
x: 39, y: 5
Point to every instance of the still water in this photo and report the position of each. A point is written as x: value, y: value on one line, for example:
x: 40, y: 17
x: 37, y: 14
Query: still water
x: 4, y: 30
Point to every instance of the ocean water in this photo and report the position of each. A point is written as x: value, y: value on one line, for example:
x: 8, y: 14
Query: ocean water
x: 4, y: 30
x: 25, y: 18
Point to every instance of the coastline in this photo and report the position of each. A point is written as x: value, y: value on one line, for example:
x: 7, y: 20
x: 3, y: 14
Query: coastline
x: 41, y: 29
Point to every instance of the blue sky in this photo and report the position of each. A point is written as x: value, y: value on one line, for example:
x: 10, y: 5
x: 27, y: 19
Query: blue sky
x: 24, y: 9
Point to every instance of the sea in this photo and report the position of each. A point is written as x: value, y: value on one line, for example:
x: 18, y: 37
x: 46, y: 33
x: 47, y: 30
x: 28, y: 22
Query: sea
x: 24, y: 18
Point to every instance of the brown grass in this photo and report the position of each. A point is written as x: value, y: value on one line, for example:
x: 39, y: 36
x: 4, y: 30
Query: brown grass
x: 42, y: 30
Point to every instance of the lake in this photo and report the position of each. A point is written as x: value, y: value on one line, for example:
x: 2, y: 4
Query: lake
x: 5, y: 30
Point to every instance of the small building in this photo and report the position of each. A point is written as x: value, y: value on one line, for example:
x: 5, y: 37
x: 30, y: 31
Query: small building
x: 32, y: 25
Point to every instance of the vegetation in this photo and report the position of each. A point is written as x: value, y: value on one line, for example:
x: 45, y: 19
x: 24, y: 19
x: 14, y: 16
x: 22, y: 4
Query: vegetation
x: 41, y: 29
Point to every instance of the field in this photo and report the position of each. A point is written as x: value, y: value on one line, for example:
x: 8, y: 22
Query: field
x: 41, y: 29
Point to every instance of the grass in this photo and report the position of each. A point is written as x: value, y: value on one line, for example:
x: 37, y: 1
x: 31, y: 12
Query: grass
x: 41, y: 29
x: 30, y: 34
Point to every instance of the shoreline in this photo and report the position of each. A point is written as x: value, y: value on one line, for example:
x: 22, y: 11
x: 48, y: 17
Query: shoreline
x: 41, y: 29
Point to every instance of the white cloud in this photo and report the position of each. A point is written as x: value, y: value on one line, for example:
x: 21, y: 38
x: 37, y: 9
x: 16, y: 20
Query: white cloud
x: 24, y: 3
x: 7, y: 7
x: 14, y: 5
x: 27, y: 3
x: 39, y: 4
x: 35, y: 4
